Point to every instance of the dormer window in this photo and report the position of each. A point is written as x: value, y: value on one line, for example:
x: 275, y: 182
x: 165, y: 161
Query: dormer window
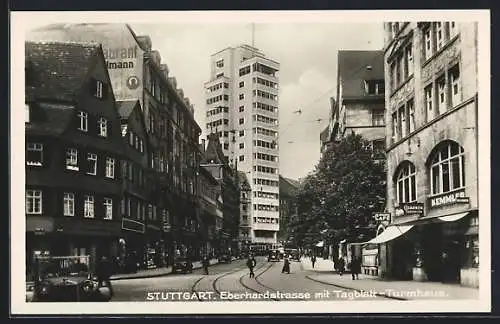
x: 26, y: 113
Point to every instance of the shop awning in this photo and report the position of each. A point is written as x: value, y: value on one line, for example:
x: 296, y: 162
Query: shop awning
x: 390, y: 233
x: 452, y: 218
x: 438, y: 219
x: 320, y: 244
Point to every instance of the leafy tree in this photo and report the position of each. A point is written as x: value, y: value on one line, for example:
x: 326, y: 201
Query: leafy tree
x: 341, y: 195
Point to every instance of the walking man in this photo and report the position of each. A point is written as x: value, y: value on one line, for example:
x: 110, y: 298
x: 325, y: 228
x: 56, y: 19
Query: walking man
x: 286, y: 266
x: 341, y: 265
x: 313, y: 260
x: 355, y: 268
x: 251, y: 263
x: 205, y: 263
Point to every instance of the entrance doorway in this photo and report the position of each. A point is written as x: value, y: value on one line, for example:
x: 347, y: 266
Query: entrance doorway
x: 452, y: 260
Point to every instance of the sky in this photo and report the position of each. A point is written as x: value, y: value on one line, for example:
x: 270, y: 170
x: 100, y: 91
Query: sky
x: 307, y: 53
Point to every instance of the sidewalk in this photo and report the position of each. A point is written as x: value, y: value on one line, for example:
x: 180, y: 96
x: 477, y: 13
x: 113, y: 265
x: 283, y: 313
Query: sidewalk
x: 157, y: 272
x: 402, y: 290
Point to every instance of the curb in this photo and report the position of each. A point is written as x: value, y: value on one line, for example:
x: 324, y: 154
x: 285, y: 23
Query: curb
x: 153, y: 275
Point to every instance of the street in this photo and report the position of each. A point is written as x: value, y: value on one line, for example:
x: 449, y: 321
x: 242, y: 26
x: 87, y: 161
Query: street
x: 231, y: 282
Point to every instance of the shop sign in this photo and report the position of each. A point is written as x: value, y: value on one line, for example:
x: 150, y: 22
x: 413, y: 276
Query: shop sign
x: 132, y: 225
x: 382, y: 217
x: 413, y: 208
x: 457, y: 197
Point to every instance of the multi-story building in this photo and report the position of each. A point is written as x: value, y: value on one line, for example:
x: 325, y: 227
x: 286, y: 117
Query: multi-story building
x: 288, y: 207
x: 242, y: 108
x: 137, y: 189
x: 73, y: 152
x: 432, y: 156
x: 227, y: 226
x: 245, y: 211
x: 211, y: 216
x: 136, y: 73
x: 359, y: 106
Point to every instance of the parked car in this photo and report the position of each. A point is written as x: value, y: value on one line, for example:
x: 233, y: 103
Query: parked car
x: 294, y: 255
x: 273, y: 256
x: 225, y: 258
x: 65, y: 279
x: 183, y: 265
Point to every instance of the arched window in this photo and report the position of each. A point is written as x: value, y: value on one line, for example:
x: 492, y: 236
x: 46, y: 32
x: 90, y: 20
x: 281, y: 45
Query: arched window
x: 447, y: 168
x: 406, y: 189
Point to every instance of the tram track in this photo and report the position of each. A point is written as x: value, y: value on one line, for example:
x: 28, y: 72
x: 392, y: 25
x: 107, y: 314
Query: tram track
x: 214, y: 282
x: 259, y: 283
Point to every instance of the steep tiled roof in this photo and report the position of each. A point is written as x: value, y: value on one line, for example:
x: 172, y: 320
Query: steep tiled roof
x: 214, y: 150
x: 126, y: 107
x: 243, y: 180
x: 59, y: 69
x: 324, y: 135
x: 288, y: 187
x: 51, y: 119
x: 352, y: 68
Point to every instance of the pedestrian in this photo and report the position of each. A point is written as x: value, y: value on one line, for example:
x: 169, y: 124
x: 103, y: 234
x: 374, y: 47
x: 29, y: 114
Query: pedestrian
x: 313, y: 260
x: 251, y: 263
x: 340, y: 265
x: 286, y: 266
x: 355, y: 268
x: 206, y: 264
x: 103, y: 273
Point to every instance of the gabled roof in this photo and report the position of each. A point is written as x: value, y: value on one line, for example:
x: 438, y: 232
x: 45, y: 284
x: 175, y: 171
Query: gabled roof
x: 214, y: 150
x: 125, y: 107
x: 243, y: 180
x: 59, y: 70
x: 288, y: 187
x: 352, y: 69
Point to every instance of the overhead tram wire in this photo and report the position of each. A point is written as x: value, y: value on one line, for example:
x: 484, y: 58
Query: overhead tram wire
x: 280, y: 132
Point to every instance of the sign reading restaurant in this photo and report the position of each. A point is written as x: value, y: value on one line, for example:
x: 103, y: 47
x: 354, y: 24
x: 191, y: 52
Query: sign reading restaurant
x: 457, y: 197
x: 120, y: 58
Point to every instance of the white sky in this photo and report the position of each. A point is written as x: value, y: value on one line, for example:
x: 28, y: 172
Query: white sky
x: 306, y: 50
x: 307, y: 53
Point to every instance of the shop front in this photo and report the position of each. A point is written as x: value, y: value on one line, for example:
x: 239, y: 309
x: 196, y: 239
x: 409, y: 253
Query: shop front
x: 155, y: 247
x: 132, y: 244
x: 440, y: 246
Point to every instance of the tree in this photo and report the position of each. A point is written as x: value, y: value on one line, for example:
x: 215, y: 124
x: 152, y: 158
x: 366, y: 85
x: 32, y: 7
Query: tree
x: 340, y: 196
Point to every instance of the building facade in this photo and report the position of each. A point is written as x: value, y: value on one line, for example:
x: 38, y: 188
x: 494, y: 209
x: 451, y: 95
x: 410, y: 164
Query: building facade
x: 242, y: 108
x: 432, y: 185
x: 73, y: 152
x: 245, y: 211
x: 228, y: 200
x: 288, y: 207
x: 211, y: 209
x: 360, y: 103
x: 172, y: 134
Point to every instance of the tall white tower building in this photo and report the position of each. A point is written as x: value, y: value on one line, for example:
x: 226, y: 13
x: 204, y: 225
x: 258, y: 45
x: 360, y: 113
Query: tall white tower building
x: 242, y: 107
